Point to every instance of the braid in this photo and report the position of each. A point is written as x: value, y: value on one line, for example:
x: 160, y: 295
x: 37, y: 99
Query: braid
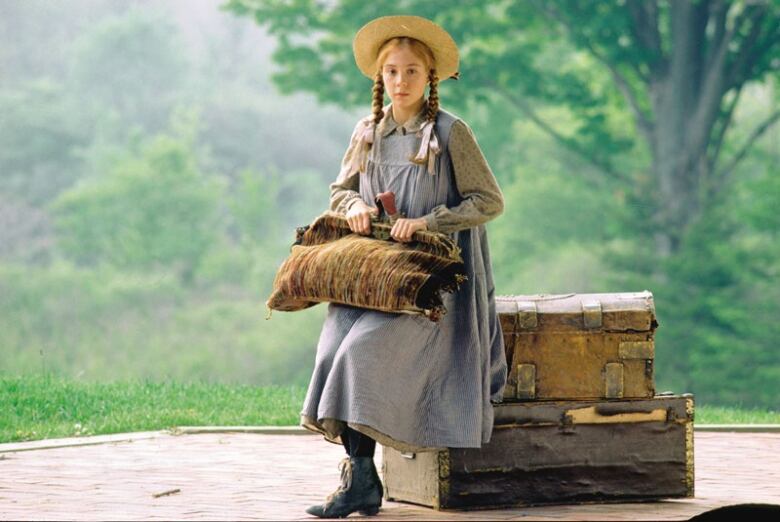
x: 379, y: 98
x: 433, y: 96
x: 431, y: 112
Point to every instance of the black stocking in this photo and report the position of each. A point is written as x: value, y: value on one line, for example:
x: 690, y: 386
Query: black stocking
x: 357, y: 444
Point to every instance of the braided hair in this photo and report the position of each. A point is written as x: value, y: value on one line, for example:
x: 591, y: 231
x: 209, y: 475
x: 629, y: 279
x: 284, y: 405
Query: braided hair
x: 433, y: 96
x: 378, y: 97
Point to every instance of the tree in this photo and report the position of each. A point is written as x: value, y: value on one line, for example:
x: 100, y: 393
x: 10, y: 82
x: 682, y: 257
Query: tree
x: 132, y: 64
x: 39, y: 130
x: 679, y: 67
x: 154, y: 210
x: 639, y: 97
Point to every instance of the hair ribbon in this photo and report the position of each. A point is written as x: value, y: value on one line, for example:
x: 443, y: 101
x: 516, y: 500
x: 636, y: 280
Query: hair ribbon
x: 429, y: 146
x: 365, y: 139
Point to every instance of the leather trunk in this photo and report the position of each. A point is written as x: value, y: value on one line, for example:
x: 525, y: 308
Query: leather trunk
x: 578, y: 346
x: 557, y: 452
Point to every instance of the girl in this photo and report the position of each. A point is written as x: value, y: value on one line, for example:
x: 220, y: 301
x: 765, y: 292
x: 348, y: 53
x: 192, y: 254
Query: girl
x: 401, y: 379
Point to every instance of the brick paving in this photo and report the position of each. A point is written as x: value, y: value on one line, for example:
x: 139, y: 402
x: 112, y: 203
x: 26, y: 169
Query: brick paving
x: 246, y: 476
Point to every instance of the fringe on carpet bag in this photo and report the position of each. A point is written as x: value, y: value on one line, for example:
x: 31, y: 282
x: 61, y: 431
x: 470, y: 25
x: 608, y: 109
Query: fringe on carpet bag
x: 330, y: 263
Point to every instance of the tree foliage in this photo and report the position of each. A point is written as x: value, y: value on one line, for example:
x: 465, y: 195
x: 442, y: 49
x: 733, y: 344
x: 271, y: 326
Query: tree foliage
x: 639, y: 99
x: 131, y: 64
x: 678, y: 67
x: 153, y: 210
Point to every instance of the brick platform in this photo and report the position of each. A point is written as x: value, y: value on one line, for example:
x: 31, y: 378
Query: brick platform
x: 244, y: 476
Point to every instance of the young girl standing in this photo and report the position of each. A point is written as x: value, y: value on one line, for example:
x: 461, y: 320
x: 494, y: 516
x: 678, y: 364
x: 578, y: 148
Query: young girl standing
x: 397, y: 378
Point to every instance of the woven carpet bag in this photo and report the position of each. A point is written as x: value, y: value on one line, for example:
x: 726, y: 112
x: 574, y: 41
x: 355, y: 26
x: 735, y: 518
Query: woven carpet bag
x: 330, y: 263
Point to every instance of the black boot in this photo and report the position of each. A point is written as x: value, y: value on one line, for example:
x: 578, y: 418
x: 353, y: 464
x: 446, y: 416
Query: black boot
x: 360, y: 490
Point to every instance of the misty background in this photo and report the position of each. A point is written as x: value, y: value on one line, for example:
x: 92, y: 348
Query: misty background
x: 153, y: 171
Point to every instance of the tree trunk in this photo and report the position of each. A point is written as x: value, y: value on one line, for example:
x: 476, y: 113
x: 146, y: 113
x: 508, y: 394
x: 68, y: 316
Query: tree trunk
x: 685, y: 97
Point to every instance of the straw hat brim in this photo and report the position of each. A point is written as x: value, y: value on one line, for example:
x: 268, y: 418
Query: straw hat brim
x: 371, y: 36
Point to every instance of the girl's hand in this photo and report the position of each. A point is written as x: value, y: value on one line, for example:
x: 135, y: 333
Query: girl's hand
x: 359, y: 217
x: 403, y: 229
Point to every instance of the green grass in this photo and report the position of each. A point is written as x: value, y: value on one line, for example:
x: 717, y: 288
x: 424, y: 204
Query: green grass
x: 723, y: 415
x: 33, y: 408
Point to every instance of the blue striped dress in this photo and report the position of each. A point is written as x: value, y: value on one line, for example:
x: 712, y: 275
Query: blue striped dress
x: 405, y: 381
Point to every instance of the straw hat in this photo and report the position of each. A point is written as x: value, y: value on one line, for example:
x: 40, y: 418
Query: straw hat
x: 371, y: 36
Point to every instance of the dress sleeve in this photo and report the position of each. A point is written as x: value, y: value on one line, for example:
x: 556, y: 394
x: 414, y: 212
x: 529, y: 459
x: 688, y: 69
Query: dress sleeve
x: 345, y: 191
x: 482, y: 197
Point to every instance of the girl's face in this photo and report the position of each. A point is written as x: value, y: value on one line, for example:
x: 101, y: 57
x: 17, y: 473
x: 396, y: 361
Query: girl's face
x: 405, y: 76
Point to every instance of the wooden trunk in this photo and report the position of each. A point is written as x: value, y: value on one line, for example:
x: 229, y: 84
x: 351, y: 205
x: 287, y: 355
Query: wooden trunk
x: 578, y: 346
x: 557, y: 452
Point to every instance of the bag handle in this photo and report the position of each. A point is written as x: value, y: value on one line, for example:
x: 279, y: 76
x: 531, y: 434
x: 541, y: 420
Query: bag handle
x: 385, y: 202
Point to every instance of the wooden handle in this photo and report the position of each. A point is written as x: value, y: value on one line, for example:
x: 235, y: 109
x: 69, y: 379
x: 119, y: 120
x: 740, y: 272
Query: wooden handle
x: 386, y: 201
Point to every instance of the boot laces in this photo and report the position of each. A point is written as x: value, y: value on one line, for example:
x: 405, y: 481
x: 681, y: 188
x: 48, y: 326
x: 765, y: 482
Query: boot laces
x: 345, y: 466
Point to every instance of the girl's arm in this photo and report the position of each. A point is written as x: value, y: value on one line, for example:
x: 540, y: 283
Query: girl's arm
x: 482, y: 197
x: 345, y: 191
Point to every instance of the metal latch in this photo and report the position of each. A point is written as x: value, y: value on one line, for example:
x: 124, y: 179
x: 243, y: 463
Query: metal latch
x: 591, y: 314
x: 526, y: 381
x: 566, y: 425
x: 526, y: 315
